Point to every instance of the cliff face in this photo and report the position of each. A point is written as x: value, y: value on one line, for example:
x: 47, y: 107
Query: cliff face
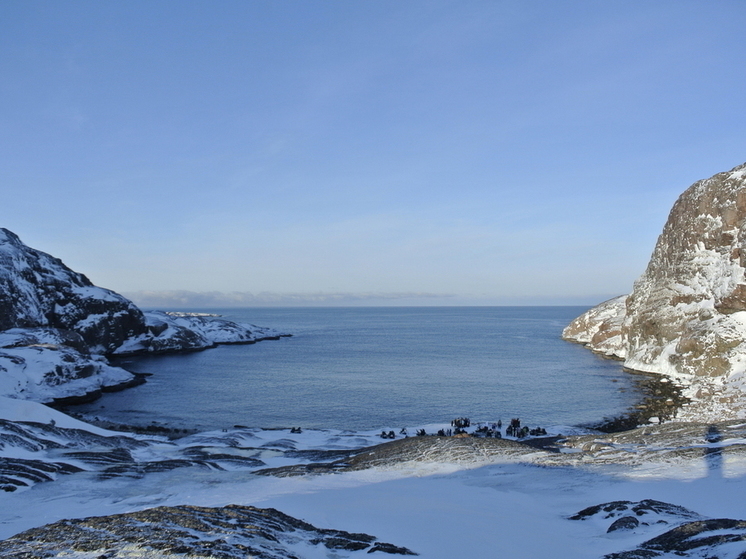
x: 38, y: 290
x: 686, y: 315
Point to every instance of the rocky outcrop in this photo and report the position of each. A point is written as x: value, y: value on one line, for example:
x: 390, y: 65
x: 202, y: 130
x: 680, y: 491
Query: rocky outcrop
x: 48, y: 364
x: 689, y: 534
x: 189, y: 531
x: 56, y: 328
x: 601, y: 328
x: 686, y: 315
x: 179, y: 331
x: 38, y: 290
x: 469, y: 450
x: 717, y: 537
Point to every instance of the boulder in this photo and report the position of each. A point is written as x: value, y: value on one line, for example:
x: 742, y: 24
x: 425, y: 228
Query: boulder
x: 624, y: 523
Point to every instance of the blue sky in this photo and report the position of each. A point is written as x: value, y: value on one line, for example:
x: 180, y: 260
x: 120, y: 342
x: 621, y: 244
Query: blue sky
x: 435, y: 152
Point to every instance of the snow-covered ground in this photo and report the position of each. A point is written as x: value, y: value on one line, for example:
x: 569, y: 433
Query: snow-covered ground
x: 441, y: 498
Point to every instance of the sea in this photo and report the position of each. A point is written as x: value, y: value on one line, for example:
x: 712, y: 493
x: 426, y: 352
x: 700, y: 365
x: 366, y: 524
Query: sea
x: 362, y: 368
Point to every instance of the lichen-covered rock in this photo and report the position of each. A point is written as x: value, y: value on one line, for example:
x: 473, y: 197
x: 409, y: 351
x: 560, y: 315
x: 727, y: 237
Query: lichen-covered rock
x: 686, y: 315
x: 227, y: 532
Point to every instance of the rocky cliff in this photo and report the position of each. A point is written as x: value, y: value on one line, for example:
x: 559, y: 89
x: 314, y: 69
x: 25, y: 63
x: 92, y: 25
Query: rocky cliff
x: 38, y: 290
x: 56, y: 329
x: 686, y: 315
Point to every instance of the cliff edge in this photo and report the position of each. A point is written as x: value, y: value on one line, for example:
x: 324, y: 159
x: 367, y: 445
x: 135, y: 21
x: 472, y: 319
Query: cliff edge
x: 686, y: 315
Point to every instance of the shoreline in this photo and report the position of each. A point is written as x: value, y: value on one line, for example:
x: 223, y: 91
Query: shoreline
x: 659, y: 402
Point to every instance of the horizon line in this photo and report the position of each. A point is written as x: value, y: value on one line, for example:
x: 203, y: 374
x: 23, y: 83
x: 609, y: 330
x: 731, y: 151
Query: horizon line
x: 183, y: 299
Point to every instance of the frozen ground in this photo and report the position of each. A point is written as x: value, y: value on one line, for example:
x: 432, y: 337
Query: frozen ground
x: 441, y: 498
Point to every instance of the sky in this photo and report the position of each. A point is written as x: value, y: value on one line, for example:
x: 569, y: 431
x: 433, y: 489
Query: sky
x: 346, y: 152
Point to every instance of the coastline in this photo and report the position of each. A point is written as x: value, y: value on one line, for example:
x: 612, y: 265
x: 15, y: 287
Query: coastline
x: 359, y: 482
x: 362, y: 484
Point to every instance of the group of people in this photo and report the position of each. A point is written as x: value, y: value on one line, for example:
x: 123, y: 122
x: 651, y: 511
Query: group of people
x: 494, y: 430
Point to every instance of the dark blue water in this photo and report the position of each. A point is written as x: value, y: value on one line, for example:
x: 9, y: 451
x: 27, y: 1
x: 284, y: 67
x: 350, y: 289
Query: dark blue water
x: 362, y: 368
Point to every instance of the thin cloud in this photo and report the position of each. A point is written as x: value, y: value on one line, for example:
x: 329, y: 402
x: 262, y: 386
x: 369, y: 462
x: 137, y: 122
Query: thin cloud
x: 218, y: 299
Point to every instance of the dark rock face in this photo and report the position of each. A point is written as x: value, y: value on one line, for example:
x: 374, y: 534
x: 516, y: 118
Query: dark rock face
x: 24, y: 337
x: 38, y: 290
x: 229, y: 532
x: 624, y: 523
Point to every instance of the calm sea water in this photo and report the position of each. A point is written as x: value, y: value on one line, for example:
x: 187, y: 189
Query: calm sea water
x: 366, y: 368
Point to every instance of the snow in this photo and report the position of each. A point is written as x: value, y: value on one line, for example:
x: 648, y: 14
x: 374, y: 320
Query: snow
x: 46, y: 371
x: 497, y: 507
x: 94, y: 292
x: 25, y: 410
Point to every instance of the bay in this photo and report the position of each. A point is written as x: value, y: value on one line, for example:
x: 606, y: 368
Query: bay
x: 373, y: 367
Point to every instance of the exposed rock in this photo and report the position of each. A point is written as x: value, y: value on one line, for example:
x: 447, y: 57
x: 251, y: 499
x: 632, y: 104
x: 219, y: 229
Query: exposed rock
x: 47, y: 364
x: 19, y: 472
x: 601, y: 328
x: 653, y: 511
x: 691, y: 535
x: 172, y: 331
x: 33, y: 452
x: 56, y: 327
x: 228, y: 532
x: 660, y: 401
x: 686, y: 316
x: 38, y: 290
x: 696, y: 449
x: 624, y: 523
x: 720, y: 537
x: 472, y: 450
x: 51, y: 446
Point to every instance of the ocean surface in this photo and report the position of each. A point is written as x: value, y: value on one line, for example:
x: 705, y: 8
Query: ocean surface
x: 370, y: 368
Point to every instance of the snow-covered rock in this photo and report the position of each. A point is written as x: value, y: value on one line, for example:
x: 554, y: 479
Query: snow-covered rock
x: 178, y: 331
x: 56, y: 328
x: 38, y: 290
x: 686, y: 315
x: 46, y: 364
x: 163, y: 532
x: 601, y: 328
